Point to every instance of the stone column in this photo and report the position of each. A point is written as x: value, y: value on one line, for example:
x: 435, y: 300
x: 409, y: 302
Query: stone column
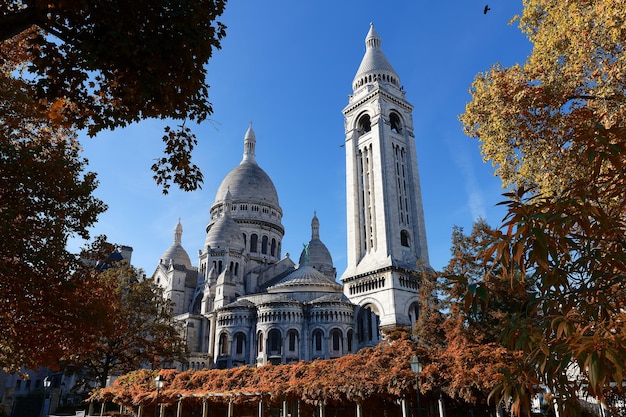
x: 405, y: 407
x: 205, y: 408
x: 179, y: 409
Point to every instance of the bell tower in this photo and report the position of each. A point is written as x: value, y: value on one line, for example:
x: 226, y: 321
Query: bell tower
x: 386, y: 232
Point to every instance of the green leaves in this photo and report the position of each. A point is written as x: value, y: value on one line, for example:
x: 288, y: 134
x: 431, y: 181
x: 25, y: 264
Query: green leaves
x: 177, y: 166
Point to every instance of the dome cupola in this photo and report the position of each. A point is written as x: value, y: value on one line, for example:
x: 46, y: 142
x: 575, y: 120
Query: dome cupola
x: 176, y: 254
x: 316, y: 254
x: 224, y: 232
x: 248, y: 182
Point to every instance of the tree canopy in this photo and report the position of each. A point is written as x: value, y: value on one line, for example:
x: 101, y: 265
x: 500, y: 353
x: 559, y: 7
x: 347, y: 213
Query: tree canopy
x: 45, y: 197
x: 93, y: 65
x: 139, y: 329
x: 460, y: 341
x: 555, y: 128
x: 535, y: 120
x: 104, y: 64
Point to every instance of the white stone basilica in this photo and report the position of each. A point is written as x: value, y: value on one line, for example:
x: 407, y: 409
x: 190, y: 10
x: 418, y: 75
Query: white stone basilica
x: 246, y: 304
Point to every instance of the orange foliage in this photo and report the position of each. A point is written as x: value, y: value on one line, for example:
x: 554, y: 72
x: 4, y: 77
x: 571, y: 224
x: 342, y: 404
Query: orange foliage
x: 383, y: 372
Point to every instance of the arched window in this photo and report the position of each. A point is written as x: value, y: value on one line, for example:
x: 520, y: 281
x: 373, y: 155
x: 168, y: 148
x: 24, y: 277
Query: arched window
x: 240, y: 342
x: 245, y: 239
x: 350, y: 336
x: 395, y: 122
x: 223, y: 344
x: 253, y: 242
x: 292, y: 340
x: 273, y: 247
x: 259, y: 340
x: 317, y: 341
x: 405, y: 239
x: 414, y: 312
x: 336, y: 337
x: 274, y: 342
x: 364, y: 124
x: 264, y: 245
x: 367, y: 325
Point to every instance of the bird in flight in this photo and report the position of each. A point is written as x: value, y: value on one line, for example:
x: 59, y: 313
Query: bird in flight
x: 486, y: 9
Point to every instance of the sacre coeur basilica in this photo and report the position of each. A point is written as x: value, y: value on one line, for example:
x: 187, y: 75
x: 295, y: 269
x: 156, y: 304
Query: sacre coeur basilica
x: 246, y: 303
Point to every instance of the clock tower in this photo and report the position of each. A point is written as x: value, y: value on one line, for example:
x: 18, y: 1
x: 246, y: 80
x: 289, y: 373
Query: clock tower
x: 386, y: 232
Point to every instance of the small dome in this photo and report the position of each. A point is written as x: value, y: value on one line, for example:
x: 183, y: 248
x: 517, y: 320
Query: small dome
x: 224, y: 232
x: 305, y: 276
x: 315, y: 253
x: 248, y: 182
x: 176, y: 254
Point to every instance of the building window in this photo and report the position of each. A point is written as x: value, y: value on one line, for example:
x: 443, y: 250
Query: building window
x: 364, y: 124
x: 405, y: 239
x: 336, y: 338
x: 240, y: 340
x: 396, y: 124
x: 223, y: 344
x: 254, y: 239
x: 414, y: 312
x: 274, y: 342
x: 293, y: 338
x: 273, y: 248
x: 259, y: 338
x: 264, y: 245
x: 317, y: 340
x: 350, y: 336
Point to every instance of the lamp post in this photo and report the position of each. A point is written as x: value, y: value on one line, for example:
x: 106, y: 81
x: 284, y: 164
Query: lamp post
x: 158, y: 382
x: 416, y: 367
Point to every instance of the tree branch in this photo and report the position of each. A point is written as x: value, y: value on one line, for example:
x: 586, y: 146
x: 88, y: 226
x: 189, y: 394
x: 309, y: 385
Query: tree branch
x: 13, y: 24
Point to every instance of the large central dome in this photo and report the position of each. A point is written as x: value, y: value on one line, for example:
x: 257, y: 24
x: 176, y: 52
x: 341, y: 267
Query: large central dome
x: 248, y: 182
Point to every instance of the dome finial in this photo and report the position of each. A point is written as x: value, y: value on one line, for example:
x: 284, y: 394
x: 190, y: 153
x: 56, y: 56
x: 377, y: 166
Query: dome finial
x: 178, y: 233
x: 315, y: 227
x: 249, y: 144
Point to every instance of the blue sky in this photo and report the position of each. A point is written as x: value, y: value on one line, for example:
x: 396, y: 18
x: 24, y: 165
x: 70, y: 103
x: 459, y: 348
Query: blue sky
x: 288, y: 66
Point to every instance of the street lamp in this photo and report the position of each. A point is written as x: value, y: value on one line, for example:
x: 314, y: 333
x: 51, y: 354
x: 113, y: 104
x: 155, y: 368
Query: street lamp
x: 158, y: 382
x: 416, y: 367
